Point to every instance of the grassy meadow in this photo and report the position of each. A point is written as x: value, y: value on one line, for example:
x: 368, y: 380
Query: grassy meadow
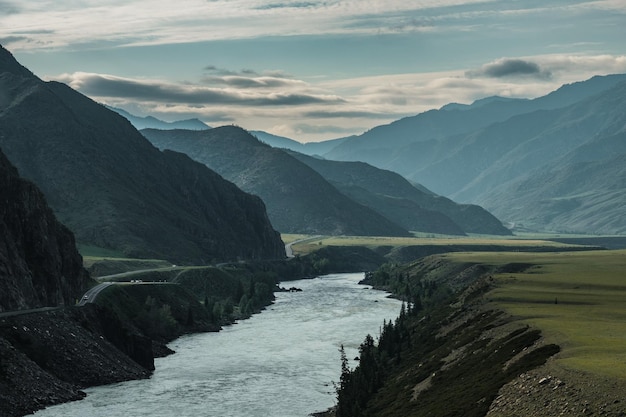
x: 577, y: 299
x: 314, y: 243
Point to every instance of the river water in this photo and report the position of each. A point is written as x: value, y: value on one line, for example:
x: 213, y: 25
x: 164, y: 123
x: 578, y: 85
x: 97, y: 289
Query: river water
x: 279, y: 363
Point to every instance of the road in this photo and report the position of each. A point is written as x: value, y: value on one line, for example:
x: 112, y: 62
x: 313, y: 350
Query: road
x: 289, y: 249
x: 20, y: 312
x: 90, y: 295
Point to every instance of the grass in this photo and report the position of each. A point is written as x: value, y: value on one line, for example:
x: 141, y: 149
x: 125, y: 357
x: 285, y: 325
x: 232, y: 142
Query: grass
x: 95, y: 251
x: 292, y: 237
x: 577, y: 299
x: 423, y: 239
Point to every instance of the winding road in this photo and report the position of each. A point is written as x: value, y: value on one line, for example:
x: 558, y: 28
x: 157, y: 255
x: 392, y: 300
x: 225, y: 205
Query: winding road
x: 91, y: 294
x: 289, y: 249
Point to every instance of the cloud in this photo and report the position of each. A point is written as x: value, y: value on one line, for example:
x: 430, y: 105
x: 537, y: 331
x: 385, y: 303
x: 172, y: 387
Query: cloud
x: 157, y: 22
x: 8, y: 7
x: 13, y: 39
x: 338, y: 114
x: 249, y: 78
x: 323, y: 108
x: 306, y: 130
x: 223, y: 71
x: 510, y: 67
x: 108, y: 86
x: 296, y: 5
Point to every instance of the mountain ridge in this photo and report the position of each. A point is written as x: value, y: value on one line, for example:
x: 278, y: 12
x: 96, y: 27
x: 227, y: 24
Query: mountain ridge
x: 476, y: 164
x: 399, y: 200
x: 299, y: 200
x: 114, y: 189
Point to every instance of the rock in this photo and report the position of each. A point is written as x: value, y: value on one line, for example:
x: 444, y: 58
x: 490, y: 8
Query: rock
x: 39, y: 263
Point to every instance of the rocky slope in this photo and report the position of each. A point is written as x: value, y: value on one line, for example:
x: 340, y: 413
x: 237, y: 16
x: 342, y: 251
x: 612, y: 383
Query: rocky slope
x: 115, y: 190
x: 47, y: 357
x: 39, y: 263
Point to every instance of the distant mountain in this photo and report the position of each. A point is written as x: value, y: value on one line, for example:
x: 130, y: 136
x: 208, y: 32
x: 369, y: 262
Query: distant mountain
x: 309, y: 148
x: 397, y: 199
x: 406, y: 145
x: 583, y: 191
x: 39, y: 263
x: 115, y: 190
x: 298, y: 199
x: 513, y: 157
x: 150, y: 122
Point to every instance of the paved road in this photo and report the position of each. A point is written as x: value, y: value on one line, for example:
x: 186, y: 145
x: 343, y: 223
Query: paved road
x: 90, y: 295
x: 289, y: 249
x: 20, y: 312
x: 139, y: 272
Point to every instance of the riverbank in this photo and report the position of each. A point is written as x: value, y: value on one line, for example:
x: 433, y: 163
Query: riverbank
x: 468, y: 355
x: 49, y: 357
x: 281, y: 362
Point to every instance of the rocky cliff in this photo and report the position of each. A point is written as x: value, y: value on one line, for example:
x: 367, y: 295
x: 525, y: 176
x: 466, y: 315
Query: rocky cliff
x: 39, y: 263
x: 47, y: 357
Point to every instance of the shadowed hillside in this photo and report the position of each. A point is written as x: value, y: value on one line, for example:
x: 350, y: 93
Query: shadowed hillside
x: 39, y: 263
x: 298, y: 199
x: 115, y: 190
x: 397, y: 199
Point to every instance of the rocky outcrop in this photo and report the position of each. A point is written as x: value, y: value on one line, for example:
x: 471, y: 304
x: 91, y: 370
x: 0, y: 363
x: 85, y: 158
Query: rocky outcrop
x: 47, y: 357
x: 39, y: 263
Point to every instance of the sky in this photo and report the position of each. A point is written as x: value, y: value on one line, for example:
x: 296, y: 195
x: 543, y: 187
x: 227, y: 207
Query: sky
x: 311, y: 70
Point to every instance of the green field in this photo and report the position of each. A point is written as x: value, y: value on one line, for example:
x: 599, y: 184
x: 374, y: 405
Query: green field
x: 577, y: 299
x: 441, y: 240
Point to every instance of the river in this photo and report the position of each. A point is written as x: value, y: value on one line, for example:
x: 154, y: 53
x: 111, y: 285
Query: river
x: 279, y: 363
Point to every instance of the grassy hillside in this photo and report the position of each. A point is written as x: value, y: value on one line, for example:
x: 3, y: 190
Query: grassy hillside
x: 523, y: 334
x: 447, y: 243
x: 577, y: 299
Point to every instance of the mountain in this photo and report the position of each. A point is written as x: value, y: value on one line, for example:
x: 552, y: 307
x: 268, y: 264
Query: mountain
x: 309, y: 148
x: 513, y: 158
x: 298, y: 199
x: 397, y: 199
x: 408, y: 143
x: 583, y: 191
x: 150, y: 122
x: 115, y: 190
x: 39, y: 263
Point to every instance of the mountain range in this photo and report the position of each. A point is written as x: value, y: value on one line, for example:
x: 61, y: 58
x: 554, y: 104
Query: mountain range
x: 151, y: 122
x: 114, y: 189
x: 298, y: 199
x: 547, y: 164
x: 307, y: 195
x: 396, y: 198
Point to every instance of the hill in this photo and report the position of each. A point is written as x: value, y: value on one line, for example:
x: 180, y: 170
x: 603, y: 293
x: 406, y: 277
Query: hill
x: 298, y: 199
x: 495, y: 334
x: 397, y: 199
x: 39, y: 263
x: 115, y: 190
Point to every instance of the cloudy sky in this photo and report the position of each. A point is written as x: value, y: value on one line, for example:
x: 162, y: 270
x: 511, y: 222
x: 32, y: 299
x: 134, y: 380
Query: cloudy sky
x: 311, y: 70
